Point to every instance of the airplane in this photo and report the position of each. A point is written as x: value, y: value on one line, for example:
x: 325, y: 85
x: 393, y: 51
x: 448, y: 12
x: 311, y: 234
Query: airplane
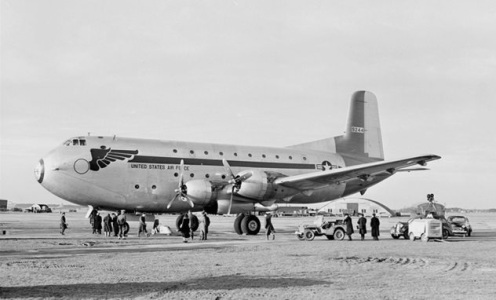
x: 160, y: 176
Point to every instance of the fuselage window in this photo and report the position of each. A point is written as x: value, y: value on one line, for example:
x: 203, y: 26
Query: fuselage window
x: 206, y: 152
x: 82, y: 142
x: 277, y: 156
x: 136, y: 186
x: 191, y: 151
x: 75, y: 142
x: 249, y: 154
x: 263, y: 155
x: 175, y: 150
x: 154, y: 187
x: 304, y: 158
x: 207, y: 176
x: 221, y: 153
x: 290, y: 157
x: 235, y: 154
x: 191, y: 175
x: 67, y: 143
x: 223, y: 177
x: 176, y: 174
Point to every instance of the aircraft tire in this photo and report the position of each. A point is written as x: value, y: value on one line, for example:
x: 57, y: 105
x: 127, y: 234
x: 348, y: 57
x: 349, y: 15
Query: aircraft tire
x: 250, y: 225
x: 237, y: 224
x: 395, y: 236
x: 194, y: 222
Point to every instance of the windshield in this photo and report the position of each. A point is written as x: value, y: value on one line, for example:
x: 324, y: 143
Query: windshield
x: 458, y: 219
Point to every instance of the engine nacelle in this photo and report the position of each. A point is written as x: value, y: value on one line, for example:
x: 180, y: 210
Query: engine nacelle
x: 199, y: 191
x: 256, y: 186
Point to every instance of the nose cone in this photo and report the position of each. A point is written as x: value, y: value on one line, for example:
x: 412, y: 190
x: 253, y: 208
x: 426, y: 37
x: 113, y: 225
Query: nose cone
x: 39, y: 171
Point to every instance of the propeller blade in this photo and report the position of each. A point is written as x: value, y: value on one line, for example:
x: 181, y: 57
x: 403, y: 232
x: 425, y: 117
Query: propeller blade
x: 228, y: 168
x: 189, y: 201
x: 181, y: 168
x: 244, y: 176
x: 180, y: 192
x: 170, y: 202
x: 231, y: 200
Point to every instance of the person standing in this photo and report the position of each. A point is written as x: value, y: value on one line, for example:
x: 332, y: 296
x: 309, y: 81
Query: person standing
x: 207, y: 223
x: 92, y: 220
x: 114, y: 224
x: 204, y: 222
x: 362, y: 228
x: 184, y: 228
x: 121, y: 222
x: 374, y: 224
x: 142, y: 226
x: 349, y: 226
x: 107, y: 225
x: 269, y: 228
x: 63, y: 224
x: 191, y: 226
x: 98, y: 223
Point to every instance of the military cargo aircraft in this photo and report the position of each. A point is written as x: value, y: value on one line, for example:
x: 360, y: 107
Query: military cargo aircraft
x: 160, y: 176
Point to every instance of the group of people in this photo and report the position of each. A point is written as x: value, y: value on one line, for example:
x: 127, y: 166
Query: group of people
x: 186, y: 226
x: 113, y: 224
x: 362, y: 226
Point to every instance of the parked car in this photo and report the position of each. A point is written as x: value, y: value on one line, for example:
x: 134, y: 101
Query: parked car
x: 400, y: 229
x: 333, y: 229
x: 460, y: 225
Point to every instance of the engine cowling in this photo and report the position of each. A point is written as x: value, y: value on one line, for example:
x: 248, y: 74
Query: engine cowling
x: 256, y: 186
x: 199, y: 191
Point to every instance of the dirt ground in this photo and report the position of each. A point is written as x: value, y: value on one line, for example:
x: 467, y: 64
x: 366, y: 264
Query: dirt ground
x: 37, y: 262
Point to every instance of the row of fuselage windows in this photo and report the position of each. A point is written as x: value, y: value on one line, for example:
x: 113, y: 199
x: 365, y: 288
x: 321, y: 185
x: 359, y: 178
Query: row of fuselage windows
x: 192, y: 152
x: 82, y: 142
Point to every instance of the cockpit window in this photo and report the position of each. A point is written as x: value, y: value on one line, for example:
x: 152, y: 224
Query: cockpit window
x: 75, y: 142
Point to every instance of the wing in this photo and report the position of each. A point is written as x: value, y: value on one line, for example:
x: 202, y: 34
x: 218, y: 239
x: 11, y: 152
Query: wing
x: 103, y: 157
x: 364, y: 172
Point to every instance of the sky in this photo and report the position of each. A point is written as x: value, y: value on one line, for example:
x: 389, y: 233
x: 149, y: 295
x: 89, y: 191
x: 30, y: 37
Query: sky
x: 263, y: 73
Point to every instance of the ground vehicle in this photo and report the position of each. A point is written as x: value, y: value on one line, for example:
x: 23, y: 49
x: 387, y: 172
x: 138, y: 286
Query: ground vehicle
x: 425, y: 229
x: 401, y: 228
x: 333, y: 229
x: 460, y: 225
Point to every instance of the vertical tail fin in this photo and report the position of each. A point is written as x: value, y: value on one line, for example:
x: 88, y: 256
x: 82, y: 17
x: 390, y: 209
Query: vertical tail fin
x: 362, y: 141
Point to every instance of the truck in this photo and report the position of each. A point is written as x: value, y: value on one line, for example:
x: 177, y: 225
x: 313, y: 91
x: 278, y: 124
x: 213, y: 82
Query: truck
x: 333, y: 229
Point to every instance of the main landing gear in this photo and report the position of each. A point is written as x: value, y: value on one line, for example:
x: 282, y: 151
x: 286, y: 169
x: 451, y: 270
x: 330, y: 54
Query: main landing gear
x: 247, y: 224
x: 194, y: 222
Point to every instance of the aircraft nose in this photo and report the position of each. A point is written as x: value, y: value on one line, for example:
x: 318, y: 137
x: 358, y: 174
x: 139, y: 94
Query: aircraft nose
x: 39, y: 171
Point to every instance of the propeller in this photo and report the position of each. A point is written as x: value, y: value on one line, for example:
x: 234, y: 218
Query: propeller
x: 182, y: 189
x: 235, y: 180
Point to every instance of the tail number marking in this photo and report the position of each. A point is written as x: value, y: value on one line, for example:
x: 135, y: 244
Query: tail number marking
x: 355, y: 129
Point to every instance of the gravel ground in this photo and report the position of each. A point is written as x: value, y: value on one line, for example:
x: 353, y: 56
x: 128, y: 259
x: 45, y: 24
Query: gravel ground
x: 37, y: 262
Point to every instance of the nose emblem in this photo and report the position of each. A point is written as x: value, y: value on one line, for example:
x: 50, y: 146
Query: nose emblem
x: 39, y: 171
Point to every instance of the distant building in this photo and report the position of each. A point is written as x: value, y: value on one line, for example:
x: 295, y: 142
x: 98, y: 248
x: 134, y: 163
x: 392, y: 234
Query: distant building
x: 3, y: 204
x: 354, y: 206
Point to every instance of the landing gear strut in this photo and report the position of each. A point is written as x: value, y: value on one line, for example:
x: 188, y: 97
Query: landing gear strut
x: 247, y: 224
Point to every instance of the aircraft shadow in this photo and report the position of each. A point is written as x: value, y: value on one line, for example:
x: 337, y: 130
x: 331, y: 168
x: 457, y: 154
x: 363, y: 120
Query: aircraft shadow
x: 139, y: 289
